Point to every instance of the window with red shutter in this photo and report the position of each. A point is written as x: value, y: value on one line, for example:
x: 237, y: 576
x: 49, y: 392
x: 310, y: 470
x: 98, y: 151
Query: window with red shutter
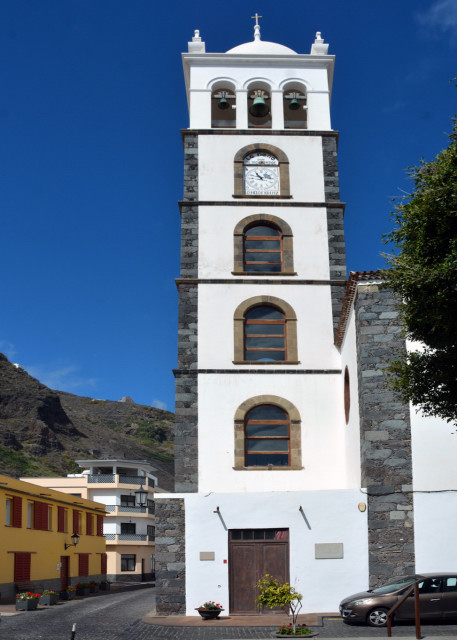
x: 61, y: 519
x: 40, y: 516
x: 89, y: 524
x: 99, y: 525
x: 22, y: 567
x: 103, y: 563
x: 17, y: 511
x: 76, y: 520
x: 83, y: 564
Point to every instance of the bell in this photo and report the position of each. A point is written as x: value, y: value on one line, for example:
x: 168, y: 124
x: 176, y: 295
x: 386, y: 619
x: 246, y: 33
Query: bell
x: 294, y: 104
x: 223, y: 103
x: 258, y: 108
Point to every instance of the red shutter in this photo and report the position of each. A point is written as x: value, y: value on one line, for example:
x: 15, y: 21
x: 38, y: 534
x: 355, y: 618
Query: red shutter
x: 17, y: 511
x: 89, y: 524
x: 83, y: 564
x: 40, y: 516
x: 103, y: 563
x: 22, y: 567
x: 75, y: 521
x: 61, y: 519
x: 99, y: 525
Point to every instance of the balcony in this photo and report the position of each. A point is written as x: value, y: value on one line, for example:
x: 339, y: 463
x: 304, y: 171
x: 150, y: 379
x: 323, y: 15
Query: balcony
x: 135, y: 538
x: 117, y: 510
x: 111, y: 478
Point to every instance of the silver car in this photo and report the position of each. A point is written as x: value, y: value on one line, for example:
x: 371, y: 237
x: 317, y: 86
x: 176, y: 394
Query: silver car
x: 437, y: 599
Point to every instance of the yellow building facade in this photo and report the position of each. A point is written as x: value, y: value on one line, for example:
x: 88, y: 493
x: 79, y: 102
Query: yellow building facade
x: 36, y: 528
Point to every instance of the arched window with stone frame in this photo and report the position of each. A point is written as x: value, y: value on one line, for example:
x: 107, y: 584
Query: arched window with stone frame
x: 223, y: 105
x: 261, y: 171
x: 263, y: 245
x: 265, y: 332
x: 267, y: 434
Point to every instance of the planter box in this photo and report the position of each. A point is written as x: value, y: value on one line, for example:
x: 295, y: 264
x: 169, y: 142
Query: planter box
x: 82, y: 592
x: 48, y: 600
x: 93, y: 589
x: 104, y: 586
x: 67, y: 595
x: 26, y: 605
x: 297, y: 635
x: 209, y: 614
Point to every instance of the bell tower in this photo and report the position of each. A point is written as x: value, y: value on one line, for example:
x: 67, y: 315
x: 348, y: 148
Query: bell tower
x: 261, y: 457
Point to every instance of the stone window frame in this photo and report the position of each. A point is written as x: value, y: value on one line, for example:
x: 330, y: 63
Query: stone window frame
x: 284, y: 179
x: 287, y: 245
x: 291, y: 330
x: 295, y: 433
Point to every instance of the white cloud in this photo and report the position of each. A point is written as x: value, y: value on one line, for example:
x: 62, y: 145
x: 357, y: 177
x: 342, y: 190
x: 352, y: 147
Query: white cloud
x: 441, y: 16
x: 158, y: 404
x: 61, y: 377
x: 8, y: 349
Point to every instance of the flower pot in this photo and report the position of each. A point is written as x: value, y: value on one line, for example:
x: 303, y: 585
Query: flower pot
x: 209, y: 614
x: 104, y: 586
x: 296, y: 635
x: 27, y: 605
x: 93, y: 589
x: 48, y: 600
x: 82, y: 591
x: 67, y: 595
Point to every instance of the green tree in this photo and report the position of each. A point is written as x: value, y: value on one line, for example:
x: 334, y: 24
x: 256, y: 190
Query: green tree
x: 274, y: 594
x: 423, y: 272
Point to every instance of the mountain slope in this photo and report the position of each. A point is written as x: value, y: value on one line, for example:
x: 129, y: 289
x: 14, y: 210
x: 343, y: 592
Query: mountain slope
x: 43, y: 431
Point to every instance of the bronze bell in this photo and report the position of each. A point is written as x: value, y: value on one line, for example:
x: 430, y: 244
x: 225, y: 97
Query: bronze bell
x: 223, y: 103
x: 294, y: 104
x: 259, y: 108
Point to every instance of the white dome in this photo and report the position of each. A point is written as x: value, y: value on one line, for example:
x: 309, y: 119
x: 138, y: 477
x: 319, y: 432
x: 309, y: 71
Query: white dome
x: 262, y: 47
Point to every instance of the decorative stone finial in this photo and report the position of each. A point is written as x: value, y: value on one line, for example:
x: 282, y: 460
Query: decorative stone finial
x: 319, y: 48
x: 256, y: 26
x: 197, y: 45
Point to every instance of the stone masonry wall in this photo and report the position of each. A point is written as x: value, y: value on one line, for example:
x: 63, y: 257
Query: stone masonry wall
x: 335, y: 227
x: 170, y: 557
x: 186, y: 420
x: 385, y: 437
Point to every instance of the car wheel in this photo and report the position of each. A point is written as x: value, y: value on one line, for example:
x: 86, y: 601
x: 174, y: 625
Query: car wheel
x: 377, y: 617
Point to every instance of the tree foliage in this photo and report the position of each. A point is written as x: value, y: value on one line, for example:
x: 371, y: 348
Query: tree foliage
x: 274, y: 594
x: 423, y: 272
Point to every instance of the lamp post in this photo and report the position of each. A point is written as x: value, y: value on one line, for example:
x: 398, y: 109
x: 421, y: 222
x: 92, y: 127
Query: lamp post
x: 74, y: 540
x: 141, y: 496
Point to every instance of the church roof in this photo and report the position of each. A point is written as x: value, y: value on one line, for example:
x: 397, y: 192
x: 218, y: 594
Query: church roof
x: 261, y: 47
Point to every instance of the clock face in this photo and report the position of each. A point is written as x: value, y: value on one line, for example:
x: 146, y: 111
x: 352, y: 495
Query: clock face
x: 261, y: 174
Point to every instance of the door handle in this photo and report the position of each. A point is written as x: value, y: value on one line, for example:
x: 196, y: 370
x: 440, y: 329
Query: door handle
x: 434, y: 599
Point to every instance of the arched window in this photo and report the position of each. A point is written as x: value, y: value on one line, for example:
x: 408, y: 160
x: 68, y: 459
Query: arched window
x: 259, y: 106
x: 267, y: 434
x: 261, y: 171
x: 267, y: 437
x: 295, y: 108
x: 263, y: 246
x: 223, y: 107
x: 265, y: 332
x: 263, y: 249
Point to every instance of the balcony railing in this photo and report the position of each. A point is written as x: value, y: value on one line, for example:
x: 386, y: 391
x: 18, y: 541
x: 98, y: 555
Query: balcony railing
x: 128, y: 537
x: 110, y: 478
x: 101, y: 478
x: 110, y: 507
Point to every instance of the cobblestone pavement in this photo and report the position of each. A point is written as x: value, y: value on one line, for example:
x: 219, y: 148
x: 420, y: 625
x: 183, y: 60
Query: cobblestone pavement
x: 118, y: 616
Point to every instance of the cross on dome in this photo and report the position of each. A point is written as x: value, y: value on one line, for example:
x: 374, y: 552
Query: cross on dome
x: 256, y: 26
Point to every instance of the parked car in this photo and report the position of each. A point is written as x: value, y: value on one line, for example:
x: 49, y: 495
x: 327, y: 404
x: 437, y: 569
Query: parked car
x: 437, y: 600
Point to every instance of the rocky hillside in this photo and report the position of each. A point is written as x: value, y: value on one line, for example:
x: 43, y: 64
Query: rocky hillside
x: 43, y: 431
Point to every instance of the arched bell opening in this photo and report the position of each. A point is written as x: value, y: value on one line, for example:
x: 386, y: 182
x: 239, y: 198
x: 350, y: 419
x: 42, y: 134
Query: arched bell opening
x: 259, y: 106
x: 223, y: 107
x: 295, y: 107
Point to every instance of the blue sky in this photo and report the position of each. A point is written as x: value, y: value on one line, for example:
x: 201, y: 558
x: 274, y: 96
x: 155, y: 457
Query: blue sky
x: 91, y: 103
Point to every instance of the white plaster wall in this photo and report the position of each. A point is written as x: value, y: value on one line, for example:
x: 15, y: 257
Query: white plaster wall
x: 216, y: 169
x: 107, y: 497
x: 275, y: 73
x: 352, y: 428
x: 311, y: 303
x: 435, y: 524
x: 318, y: 398
x: 216, y: 240
x: 331, y: 517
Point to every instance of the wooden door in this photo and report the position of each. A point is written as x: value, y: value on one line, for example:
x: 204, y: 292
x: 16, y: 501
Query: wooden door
x: 64, y: 572
x: 252, y: 554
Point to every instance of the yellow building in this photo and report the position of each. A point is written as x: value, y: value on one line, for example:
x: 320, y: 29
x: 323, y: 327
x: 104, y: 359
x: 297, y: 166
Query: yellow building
x: 36, y: 542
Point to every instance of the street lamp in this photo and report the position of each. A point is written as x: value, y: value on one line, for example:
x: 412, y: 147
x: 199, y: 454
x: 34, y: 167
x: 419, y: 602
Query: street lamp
x: 75, y: 541
x: 141, y: 496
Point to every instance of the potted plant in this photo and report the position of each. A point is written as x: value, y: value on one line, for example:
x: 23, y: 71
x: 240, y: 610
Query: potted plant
x: 104, y: 585
x: 210, y: 610
x: 274, y: 594
x: 68, y: 593
x: 82, y: 589
x: 27, y: 601
x: 48, y: 597
x: 93, y: 586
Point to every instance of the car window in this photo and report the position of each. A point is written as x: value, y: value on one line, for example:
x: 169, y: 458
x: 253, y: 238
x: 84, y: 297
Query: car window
x: 430, y: 585
x: 394, y: 586
x: 450, y: 584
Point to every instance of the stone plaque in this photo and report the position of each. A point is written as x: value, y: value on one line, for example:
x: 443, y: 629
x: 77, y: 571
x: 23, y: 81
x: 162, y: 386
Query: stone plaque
x: 328, y: 550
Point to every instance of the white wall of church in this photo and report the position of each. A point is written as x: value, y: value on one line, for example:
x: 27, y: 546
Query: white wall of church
x: 216, y: 154
x: 318, y: 399
x: 216, y: 242
x: 435, y: 524
x: 352, y: 428
x: 311, y: 303
x: 328, y: 517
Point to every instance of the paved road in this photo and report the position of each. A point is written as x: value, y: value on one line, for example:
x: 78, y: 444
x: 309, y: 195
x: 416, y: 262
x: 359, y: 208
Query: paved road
x: 118, y: 616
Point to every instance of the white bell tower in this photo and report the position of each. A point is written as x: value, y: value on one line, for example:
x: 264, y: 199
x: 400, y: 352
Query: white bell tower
x: 263, y: 483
